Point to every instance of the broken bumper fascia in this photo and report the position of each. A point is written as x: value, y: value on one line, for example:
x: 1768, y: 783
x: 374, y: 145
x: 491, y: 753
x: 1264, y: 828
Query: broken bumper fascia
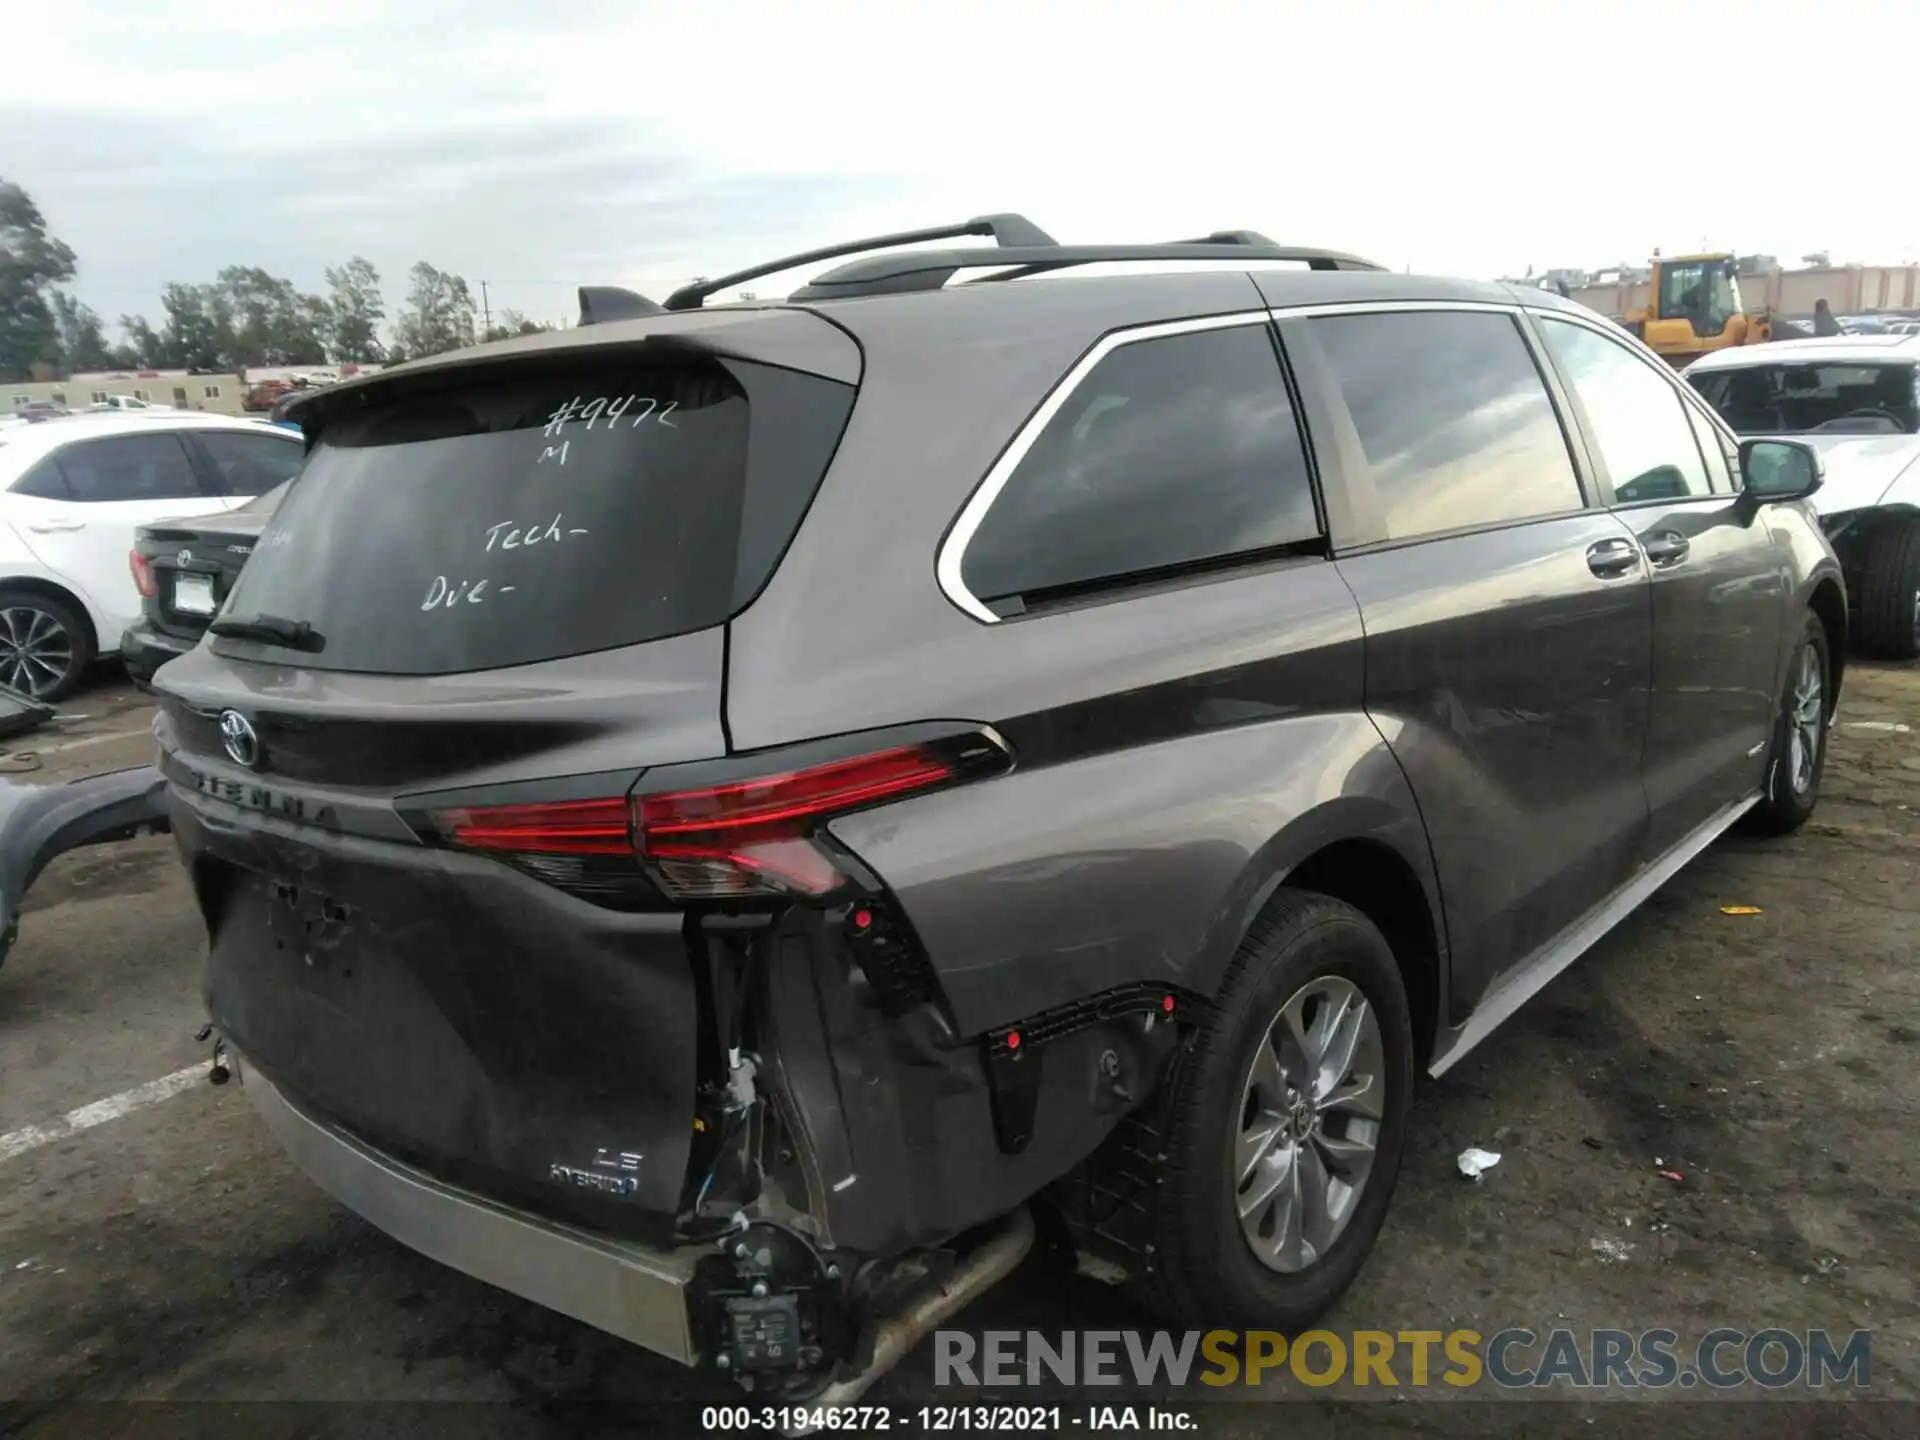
x: 41, y: 822
x: 635, y: 1292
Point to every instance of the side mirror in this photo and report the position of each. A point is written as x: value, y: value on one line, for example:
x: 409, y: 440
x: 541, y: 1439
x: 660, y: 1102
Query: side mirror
x: 1780, y: 470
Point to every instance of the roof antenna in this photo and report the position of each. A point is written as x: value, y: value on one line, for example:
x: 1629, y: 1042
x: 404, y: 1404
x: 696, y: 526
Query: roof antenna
x: 601, y: 304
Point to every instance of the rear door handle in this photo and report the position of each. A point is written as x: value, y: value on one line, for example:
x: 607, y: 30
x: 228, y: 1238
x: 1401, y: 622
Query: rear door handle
x: 1608, y: 558
x: 62, y: 528
x: 1666, y: 547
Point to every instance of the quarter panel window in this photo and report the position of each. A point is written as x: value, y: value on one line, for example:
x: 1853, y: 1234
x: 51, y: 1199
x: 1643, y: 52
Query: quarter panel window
x: 44, y: 482
x: 1169, y: 452
x: 1639, y: 421
x: 128, y: 467
x: 1455, y: 421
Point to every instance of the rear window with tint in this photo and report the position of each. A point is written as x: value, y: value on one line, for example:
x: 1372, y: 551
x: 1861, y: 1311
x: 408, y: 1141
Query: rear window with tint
x: 542, y: 515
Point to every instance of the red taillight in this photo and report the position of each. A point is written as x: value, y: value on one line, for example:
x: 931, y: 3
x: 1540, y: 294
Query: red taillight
x: 753, y: 837
x: 566, y: 827
x: 745, y: 839
x: 142, y: 574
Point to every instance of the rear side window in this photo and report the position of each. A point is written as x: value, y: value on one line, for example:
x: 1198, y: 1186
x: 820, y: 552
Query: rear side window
x: 1637, y: 418
x: 1170, y: 453
x: 547, y: 514
x: 251, y: 464
x: 128, y: 467
x: 1454, y: 418
x: 44, y: 482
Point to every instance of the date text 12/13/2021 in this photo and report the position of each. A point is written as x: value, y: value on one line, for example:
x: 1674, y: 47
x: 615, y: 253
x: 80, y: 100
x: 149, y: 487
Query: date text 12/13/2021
x: 941, y: 1419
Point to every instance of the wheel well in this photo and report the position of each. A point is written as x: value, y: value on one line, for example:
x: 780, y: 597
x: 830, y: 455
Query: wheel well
x: 1380, y: 884
x: 1830, y: 605
x: 47, y: 590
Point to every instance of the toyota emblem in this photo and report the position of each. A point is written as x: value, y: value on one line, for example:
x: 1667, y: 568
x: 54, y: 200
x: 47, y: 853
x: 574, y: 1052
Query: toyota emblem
x: 236, y: 732
x: 185, y: 557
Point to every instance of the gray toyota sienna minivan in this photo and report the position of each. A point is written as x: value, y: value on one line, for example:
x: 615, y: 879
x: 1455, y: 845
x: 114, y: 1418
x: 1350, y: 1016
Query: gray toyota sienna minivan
x: 710, y: 819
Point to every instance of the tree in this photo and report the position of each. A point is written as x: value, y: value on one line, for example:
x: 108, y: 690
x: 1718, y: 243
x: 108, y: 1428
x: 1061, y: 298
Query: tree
x: 198, y: 332
x: 31, y: 261
x: 358, y: 309
x: 511, y: 323
x: 83, y: 339
x: 245, y: 317
x: 145, y: 349
x: 269, y: 322
x: 438, y: 315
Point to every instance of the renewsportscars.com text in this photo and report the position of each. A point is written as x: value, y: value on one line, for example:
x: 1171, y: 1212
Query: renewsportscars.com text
x: 1512, y: 1359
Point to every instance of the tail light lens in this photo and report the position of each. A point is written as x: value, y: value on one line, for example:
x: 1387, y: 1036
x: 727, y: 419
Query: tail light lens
x: 754, y: 837
x: 142, y: 574
x: 570, y: 827
x: 748, y: 839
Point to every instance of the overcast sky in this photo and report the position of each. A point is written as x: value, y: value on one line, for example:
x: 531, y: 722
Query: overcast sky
x: 640, y: 144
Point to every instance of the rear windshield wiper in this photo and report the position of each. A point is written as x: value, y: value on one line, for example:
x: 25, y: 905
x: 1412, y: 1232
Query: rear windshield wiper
x: 293, y: 634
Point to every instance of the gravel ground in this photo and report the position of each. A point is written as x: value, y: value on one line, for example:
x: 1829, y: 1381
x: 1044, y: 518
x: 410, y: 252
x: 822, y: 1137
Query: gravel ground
x: 1768, y: 1060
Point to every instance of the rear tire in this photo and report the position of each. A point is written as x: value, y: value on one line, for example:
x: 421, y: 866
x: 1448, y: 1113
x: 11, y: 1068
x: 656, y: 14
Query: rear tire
x: 1234, y: 1136
x: 1890, y: 590
x: 1793, y: 774
x: 46, y: 644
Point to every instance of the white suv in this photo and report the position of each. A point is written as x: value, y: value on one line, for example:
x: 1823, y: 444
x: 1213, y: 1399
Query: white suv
x: 1855, y: 399
x: 72, y: 493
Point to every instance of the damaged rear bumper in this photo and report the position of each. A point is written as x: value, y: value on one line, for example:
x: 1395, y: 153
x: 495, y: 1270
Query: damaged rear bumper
x: 636, y: 1292
x: 40, y: 822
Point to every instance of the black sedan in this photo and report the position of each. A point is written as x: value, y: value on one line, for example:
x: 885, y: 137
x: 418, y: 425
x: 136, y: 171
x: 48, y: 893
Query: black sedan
x: 184, y: 569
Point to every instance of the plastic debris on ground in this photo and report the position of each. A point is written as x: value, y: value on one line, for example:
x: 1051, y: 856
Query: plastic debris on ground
x: 1741, y: 910
x: 20, y: 712
x: 1613, y: 1252
x: 1474, y: 1162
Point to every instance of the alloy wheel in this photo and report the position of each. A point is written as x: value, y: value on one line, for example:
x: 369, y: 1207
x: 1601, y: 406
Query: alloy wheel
x: 1806, y: 720
x: 36, y: 652
x: 1309, y: 1123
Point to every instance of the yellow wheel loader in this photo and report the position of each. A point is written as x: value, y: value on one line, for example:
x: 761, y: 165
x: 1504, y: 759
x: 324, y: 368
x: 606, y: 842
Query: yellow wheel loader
x: 1696, y: 307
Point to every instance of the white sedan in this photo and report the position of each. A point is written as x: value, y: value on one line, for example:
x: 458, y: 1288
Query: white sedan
x: 1856, y: 400
x: 72, y: 493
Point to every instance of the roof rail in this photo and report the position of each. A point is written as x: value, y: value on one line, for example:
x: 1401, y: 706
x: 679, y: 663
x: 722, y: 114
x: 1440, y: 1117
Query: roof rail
x: 1227, y: 237
x: 932, y: 269
x: 1218, y: 237
x: 1006, y: 230
x: 600, y: 304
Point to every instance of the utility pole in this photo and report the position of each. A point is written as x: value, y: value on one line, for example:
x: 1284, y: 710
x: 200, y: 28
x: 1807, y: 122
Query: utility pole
x: 486, y: 313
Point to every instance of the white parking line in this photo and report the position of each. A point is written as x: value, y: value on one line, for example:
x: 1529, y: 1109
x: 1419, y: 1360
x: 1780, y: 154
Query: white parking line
x: 32, y: 1137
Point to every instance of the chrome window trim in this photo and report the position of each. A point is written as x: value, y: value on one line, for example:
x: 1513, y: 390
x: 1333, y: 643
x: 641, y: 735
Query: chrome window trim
x: 1387, y: 307
x: 953, y: 549
x: 1690, y: 398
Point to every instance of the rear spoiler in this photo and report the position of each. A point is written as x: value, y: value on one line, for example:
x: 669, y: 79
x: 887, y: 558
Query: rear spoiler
x: 41, y: 822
